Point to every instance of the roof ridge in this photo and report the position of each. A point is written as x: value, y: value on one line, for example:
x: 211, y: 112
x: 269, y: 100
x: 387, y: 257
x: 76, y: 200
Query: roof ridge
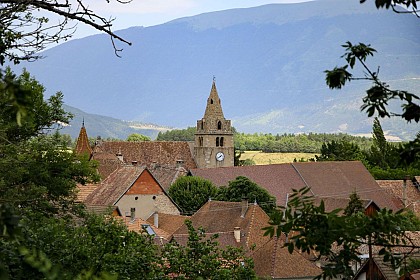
x: 251, y: 222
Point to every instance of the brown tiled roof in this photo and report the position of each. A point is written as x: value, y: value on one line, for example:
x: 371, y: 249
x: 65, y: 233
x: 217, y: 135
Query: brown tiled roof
x: 169, y: 223
x: 277, y: 179
x: 327, y: 179
x: 83, y: 191
x: 396, y: 188
x: 332, y: 203
x: 82, y: 144
x: 222, y: 217
x: 114, y: 186
x: 341, y: 178
x: 274, y: 261
x: 149, y: 153
x: 167, y: 175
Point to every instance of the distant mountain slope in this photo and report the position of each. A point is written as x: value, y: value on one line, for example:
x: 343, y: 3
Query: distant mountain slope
x: 268, y: 62
x: 106, y: 127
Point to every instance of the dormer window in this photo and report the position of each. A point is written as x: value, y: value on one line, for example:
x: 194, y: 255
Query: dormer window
x: 219, y: 125
x: 211, y: 101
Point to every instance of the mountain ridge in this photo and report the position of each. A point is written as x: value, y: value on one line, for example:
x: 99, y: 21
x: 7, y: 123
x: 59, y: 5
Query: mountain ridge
x: 269, y: 76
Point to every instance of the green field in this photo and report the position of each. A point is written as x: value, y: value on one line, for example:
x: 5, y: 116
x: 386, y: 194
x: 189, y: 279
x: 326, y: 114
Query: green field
x: 271, y: 158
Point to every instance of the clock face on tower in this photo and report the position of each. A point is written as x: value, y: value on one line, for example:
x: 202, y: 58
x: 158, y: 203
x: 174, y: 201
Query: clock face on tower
x: 220, y: 156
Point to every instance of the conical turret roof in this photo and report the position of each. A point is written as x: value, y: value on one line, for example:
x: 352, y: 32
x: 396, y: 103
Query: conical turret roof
x: 214, y: 106
x: 82, y: 145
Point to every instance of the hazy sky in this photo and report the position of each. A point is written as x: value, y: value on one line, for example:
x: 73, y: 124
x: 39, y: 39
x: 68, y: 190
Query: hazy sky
x: 153, y: 12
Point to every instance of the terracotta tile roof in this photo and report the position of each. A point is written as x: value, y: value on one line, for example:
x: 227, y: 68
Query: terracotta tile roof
x: 396, y: 188
x: 114, y: 186
x: 149, y: 153
x: 169, y: 223
x: 82, y: 144
x: 326, y: 179
x: 274, y: 261
x: 222, y: 217
x: 103, y: 209
x: 277, y: 179
x: 136, y: 225
x: 83, y: 191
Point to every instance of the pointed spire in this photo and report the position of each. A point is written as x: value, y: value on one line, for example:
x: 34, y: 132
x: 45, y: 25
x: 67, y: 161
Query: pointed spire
x: 214, y: 106
x: 82, y: 144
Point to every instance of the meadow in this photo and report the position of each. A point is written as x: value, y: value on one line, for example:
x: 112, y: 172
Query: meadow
x: 272, y: 158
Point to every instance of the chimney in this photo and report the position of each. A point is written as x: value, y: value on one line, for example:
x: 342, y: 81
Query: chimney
x: 179, y: 163
x: 237, y: 234
x: 244, y: 207
x: 133, y: 214
x: 405, y: 190
x: 156, y: 219
x: 119, y: 155
x: 153, y: 165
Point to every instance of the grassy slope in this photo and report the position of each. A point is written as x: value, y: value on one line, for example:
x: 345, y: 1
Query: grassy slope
x: 272, y: 158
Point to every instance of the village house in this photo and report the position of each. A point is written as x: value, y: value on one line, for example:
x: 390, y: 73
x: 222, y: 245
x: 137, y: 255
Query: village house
x: 135, y: 191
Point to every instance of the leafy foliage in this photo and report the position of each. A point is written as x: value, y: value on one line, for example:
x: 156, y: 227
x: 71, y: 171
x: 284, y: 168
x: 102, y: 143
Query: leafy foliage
x: 336, y: 238
x: 305, y: 143
x: 136, y: 137
x: 25, y: 31
x: 177, y: 135
x: 202, y: 258
x: 190, y: 193
x: 243, y: 188
x: 339, y: 151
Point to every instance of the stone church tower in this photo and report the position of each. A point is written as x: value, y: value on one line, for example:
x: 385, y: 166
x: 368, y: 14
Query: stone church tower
x: 213, y: 145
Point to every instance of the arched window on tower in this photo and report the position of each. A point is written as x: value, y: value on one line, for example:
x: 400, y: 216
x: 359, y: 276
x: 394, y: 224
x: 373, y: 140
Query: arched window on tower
x: 219, y: 125
x: 200, y: 141
x: 221, y: 142
x: 217, y: 141
x: 211, y: 101
x: 202, y: 125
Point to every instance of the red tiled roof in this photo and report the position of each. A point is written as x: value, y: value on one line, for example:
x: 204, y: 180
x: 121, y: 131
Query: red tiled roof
x: 327, y: 179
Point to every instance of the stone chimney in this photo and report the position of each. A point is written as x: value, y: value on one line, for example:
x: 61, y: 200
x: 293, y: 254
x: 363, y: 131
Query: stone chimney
x: 133, y: 214
x: 244, y: 207
x: 237, y: 234
x: 119, y: 155
x: 179, y: 163
x: 156, y: 219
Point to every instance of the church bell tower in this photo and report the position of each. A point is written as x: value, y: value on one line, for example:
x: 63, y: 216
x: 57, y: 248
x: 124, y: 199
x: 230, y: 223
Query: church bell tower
x: 213, y: 145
